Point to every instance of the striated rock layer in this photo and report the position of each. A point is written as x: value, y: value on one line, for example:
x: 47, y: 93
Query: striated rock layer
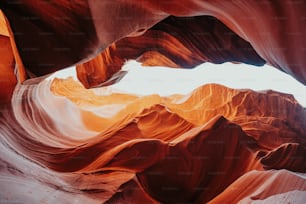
x: 60, y: 141
x: 168, y: 44
x: 51, y: 35
x: 63, y: 143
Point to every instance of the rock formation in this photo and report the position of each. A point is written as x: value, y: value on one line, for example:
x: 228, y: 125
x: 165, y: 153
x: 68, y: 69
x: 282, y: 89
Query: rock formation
x: 152, y: 149
x: 71, y: 32
x: 62, y: 142
x: 168, y: 44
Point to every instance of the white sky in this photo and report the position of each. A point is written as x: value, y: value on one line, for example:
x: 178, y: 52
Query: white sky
x: 165, y: 81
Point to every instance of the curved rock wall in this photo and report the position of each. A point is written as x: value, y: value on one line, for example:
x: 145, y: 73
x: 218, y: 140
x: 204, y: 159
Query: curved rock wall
x: 71, y: 32
x: 124, y: 148
x: 61, y: 142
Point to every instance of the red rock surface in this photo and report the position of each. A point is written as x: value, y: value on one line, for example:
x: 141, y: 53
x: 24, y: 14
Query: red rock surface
x: 168, y: 44
x: 54, y: 35
x: 151, y: 149
x: 63, y: 143
x: 260, y: 186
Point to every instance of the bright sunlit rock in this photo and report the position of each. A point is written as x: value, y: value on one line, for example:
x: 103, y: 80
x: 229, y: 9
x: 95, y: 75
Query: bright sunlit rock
x: 165, y: 81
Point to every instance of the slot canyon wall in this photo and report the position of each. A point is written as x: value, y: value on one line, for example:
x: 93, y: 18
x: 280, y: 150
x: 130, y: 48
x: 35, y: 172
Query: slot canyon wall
x: 62, y: 141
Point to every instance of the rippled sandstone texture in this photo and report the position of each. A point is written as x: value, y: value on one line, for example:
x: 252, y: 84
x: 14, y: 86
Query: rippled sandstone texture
x: 149, y: 149
x: 51, y: 35
x: 61, y: 142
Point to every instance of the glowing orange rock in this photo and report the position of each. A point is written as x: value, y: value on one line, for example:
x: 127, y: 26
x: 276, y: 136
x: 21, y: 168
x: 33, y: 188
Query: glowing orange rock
x: 11, y: 66
x: 59, y: 137
x: 150, y: 148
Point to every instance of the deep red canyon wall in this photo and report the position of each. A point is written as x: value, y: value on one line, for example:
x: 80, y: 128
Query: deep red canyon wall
x: 63, y: 143
x: 169, y: 44
x: 71, y: 32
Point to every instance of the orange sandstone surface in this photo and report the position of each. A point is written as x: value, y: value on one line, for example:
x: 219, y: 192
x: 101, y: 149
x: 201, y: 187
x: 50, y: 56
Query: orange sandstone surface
x: 81, y: 145
x: 62, y: 143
